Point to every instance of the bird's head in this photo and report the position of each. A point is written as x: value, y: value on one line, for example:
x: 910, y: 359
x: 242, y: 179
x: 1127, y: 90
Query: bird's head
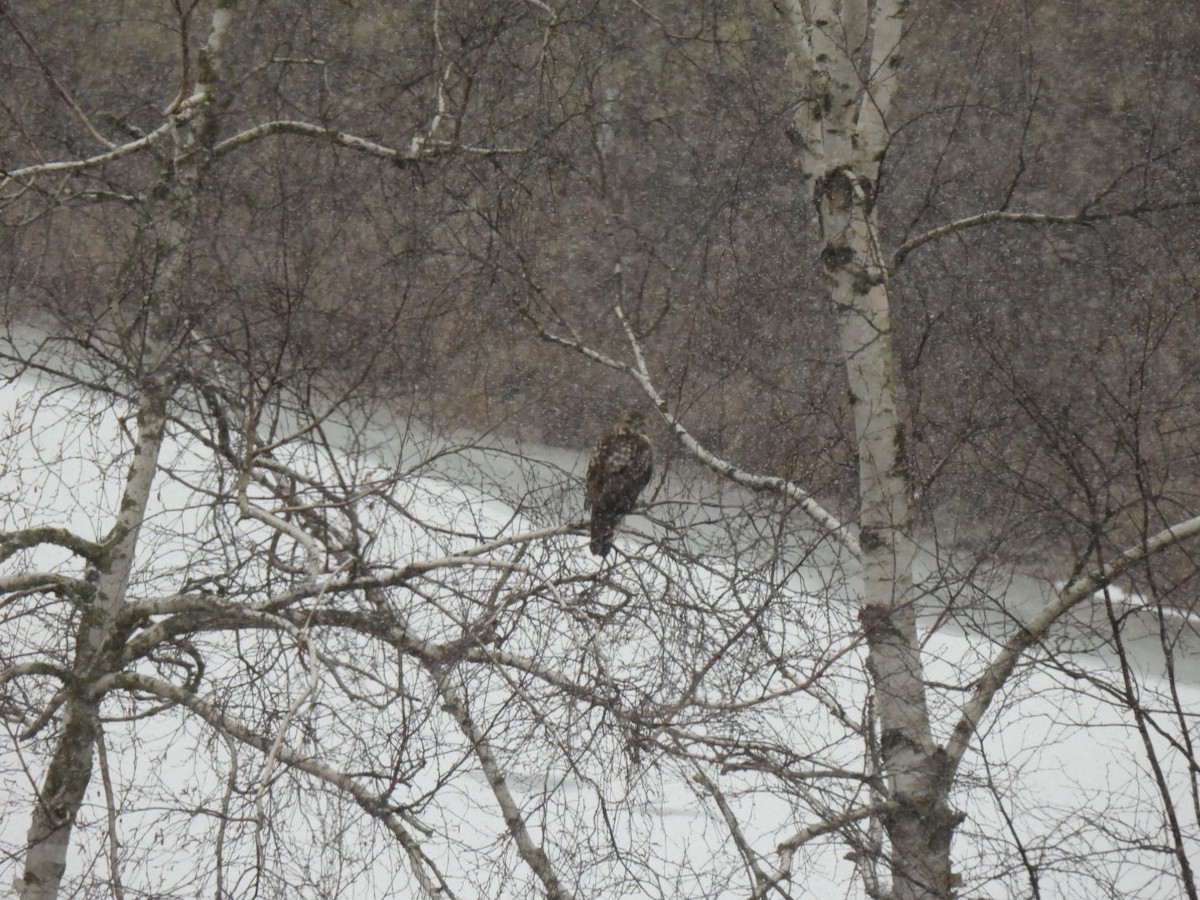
x: 634, y: 420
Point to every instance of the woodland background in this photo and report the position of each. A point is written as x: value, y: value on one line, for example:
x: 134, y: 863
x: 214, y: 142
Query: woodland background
x: 457, y: 212
x: 661, y: 144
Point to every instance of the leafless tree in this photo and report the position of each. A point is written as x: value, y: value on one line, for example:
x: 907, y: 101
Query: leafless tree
x: 235, y: 544
x: 1087, y: 482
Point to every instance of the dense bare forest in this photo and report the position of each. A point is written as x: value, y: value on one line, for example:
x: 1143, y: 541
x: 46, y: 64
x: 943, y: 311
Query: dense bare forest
x: 910, y: 289
x: 657, y: 141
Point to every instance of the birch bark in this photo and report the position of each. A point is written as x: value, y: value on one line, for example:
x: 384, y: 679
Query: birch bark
x: 149, y: 330
x: 845, y: 57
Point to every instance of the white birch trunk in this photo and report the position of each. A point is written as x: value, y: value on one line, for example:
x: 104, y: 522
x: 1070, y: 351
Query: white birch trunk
x: 97, y: 644
x: 920, y: 824
x: 150, y: 356
x: 841, y: 128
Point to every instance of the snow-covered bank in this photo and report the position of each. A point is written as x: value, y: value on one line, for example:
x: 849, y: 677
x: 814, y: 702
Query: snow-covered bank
x: 1059, y: 775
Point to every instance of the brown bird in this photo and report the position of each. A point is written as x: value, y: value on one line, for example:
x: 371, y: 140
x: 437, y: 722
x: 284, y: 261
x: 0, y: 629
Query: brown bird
x: 619, y: 468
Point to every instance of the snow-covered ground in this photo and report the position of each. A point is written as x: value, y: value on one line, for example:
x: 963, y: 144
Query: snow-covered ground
x: 1059, y: 790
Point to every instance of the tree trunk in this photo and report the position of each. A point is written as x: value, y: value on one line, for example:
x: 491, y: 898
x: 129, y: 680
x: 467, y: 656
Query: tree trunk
x: 152, y: 356
x: 97, y: 641
x: 919, y: 823
x: 66, y: 780
x: 842, y: 134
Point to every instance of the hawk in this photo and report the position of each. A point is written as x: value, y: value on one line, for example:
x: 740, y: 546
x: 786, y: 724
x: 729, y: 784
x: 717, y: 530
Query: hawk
x: 619, y: 468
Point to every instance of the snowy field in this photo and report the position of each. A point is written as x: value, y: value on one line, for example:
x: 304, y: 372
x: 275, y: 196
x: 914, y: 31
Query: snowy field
x: 1060, y: 785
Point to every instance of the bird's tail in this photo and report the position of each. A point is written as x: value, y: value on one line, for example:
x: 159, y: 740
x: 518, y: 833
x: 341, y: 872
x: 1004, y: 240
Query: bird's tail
x: 603, y: 529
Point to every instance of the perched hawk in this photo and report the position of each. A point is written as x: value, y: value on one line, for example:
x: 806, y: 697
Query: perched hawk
x: 618, y: 470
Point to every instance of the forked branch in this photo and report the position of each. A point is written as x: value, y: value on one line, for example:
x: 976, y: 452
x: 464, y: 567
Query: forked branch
x: 640, y: 373
x: 430, y: 879
x: 1073, y: 594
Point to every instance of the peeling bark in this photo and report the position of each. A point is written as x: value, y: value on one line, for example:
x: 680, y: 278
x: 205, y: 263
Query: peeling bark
x: 841, y: 128
x: 149, y: 327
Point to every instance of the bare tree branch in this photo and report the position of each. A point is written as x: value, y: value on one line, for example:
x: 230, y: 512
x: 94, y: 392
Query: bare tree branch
x: 420, y: 148
x: 1085, y: 216
x: 48, y: 74
x: 427, y: 874
x: 535, y: 857
x: 77, y: 165
x: 997, y: 673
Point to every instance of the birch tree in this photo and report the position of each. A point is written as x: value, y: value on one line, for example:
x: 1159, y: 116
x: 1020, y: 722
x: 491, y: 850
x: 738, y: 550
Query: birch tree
x: 847, y: 60
x: 384, y: 656
x: 846, y: 65
x: 168, y: 370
